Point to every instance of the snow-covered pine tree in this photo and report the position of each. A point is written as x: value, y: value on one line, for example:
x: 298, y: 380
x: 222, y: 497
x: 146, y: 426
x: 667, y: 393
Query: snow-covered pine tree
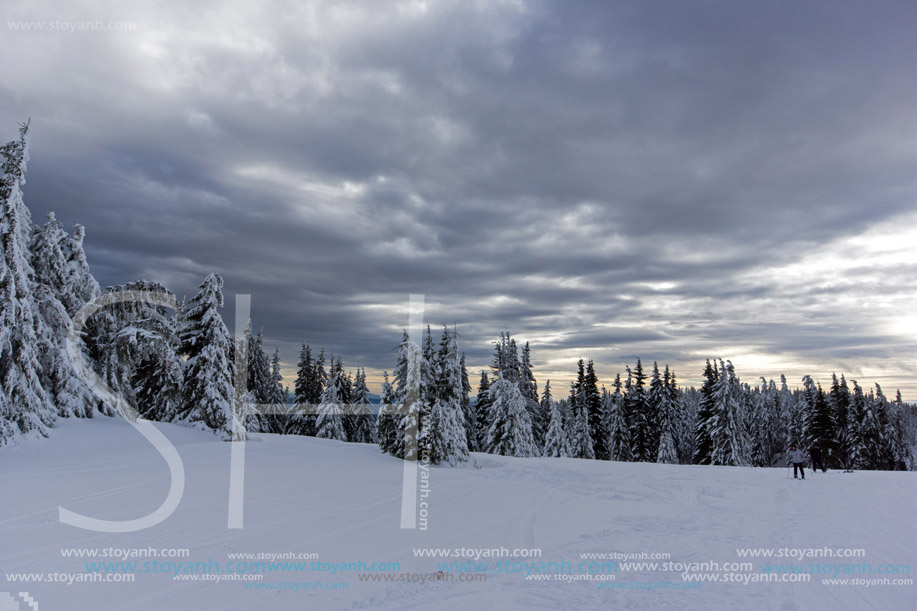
x: 386, y: 424
x: 727, y: 426
x: 81, y: 286
x: 409, y: 378
x: 688, y: 402
x: 302, y: 420
x: 639, y: 409
x: 393, y: 442
x: 596, y: 417
x: 347, y: 394
x: 121, y: 336
x: 149, y: 343
x: 360, y: 415
x: 619, y: 442
x: 579, y: 434
x: 260, y: 381
x: 158, y: 379
x: 529, y: 388
x: 760, y: 430
x: 444, y: 439
x: 48, y: 261
x: 703, y: 440
x: 279, y: 419
x: 546, y: 404
x: 67, y: 390
x: 207, y: 392
x: 655, y: 400
x: 478, y: 433
x: 26, y: 407
x: 899, y: 457
x: 555, y: 441
x: 856, y: 416
x: 510, y: 431
x: 818, y: 417
x: 839, y: 404
x: 667, y: 451
x: 467, y: 410
x: 330, y: 421
x: 319, y: 379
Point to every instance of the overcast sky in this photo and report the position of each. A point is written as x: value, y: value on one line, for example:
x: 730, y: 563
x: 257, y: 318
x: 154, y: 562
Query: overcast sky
x: 669, y: 180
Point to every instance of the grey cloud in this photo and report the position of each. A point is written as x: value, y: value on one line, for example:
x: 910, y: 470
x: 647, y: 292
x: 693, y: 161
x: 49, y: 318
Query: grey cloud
x: 637, y: 165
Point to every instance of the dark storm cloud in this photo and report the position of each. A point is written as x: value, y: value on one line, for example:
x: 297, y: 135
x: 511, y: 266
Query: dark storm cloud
x: 606, y: 179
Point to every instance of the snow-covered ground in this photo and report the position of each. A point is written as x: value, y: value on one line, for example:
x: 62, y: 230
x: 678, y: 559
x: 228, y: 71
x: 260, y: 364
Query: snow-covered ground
x: 343, y: 502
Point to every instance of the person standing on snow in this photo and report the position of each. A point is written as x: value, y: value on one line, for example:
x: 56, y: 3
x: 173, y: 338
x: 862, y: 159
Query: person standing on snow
x: 797, y: 458
x: 817, y: 461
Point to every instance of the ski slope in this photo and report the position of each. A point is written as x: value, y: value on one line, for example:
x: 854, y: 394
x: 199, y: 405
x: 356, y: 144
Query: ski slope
x: 343, y: 502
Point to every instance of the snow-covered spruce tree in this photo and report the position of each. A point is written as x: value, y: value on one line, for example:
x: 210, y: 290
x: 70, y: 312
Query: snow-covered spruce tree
x: 546, y: 404
x: 597, y: 420
x: 619, y: 442
x: 347, y: 394
x: 555, y: 442
x: 386, y: 424
x: 703, y: 439
x: 408, y: 378
x: 856, y: 416
x: 122, y: 335
x: 302, y: 422
x: 207, y: 392
x: 579, y: 434
x: 785, y: 413
x: 874, y: 430
x: 158, y: 380
x: 510, y: 431
x: 26, y: 408
x: 642, y: 419
x: 360, y: 416
x: 667, y: 409
x: 529, y: 388
x: 689, y: 400
x: 259, y: 380
x: 818, y: 417
x: 278, y: 420
x: 760, y: 429
x: 727, y: 426
x: 655, y: 400
x: 137, y: 342
x: 467, y: 410
x: 897, y: 448
x: 330, y: 421
x: 391, y: 435
x: 839, y: 402
x: 67, y: 390
x: 81, y: 286
x: 685, y: 410
x: 443, y: 437
x: 319, y: 377
x: 478, y: 433
x: 892, y: 453
x: 428, y: 379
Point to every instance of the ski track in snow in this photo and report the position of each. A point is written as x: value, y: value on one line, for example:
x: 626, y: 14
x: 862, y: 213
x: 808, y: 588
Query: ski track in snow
x: 343, y: 501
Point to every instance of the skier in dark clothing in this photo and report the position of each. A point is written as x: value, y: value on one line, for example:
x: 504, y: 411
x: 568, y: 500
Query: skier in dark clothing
x: 817, y: 462
x: 797, y: 458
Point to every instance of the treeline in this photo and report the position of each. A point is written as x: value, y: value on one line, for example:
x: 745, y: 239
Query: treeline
x: 642, y: 417
x: 177, y: 362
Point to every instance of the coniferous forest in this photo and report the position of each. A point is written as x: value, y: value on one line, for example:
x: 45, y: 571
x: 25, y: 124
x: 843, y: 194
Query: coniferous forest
x: 178, y: 365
